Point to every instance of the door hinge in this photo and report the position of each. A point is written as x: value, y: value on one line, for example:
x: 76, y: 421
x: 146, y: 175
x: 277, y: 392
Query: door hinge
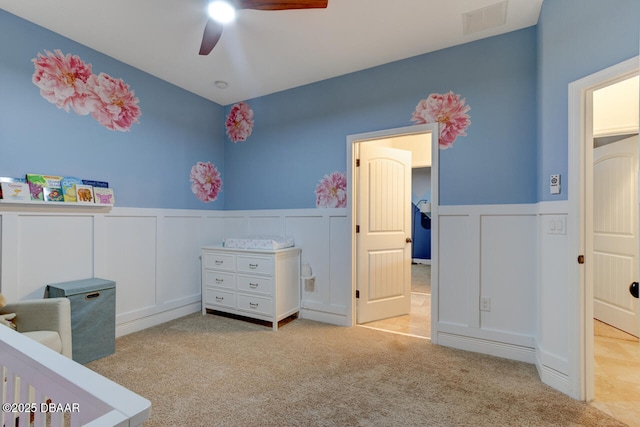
x: 357, y: 228
x: 357, y: 162
x: 357, y: 293
x: 580, y: 259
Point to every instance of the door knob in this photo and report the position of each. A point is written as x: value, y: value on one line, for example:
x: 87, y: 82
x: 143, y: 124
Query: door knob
x: 633, y: 289
x: 408, y: 240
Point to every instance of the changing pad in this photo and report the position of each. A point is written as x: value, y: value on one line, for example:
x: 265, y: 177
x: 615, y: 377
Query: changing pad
x: 259, y: 242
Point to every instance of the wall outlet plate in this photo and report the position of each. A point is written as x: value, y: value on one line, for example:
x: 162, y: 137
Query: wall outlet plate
x: 485, y: 304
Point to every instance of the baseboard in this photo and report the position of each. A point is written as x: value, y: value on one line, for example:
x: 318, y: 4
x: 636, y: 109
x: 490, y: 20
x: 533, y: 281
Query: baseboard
x: 319, y: 316
x: 421, y: 261
x: 555, y: 379
x: 156, y: 319
x: 493, y: 348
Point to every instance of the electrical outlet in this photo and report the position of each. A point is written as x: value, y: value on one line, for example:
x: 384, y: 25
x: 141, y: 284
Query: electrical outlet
x: 485, y: 304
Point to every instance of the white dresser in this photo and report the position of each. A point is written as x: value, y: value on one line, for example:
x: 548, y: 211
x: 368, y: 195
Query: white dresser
x: 261, y: 284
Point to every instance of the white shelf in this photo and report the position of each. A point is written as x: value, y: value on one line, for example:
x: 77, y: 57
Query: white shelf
x: 43, y: 203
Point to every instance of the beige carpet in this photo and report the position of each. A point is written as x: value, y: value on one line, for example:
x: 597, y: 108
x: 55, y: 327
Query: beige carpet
x: 215, y: 371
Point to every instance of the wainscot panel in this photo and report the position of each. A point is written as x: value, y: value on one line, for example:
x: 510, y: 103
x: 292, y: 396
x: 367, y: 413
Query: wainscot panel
x: 553, y: 351
x: 487, y: 253
x: 323, y: 235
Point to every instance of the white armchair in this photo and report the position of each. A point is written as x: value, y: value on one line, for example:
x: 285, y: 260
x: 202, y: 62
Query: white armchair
x: 47, y: 321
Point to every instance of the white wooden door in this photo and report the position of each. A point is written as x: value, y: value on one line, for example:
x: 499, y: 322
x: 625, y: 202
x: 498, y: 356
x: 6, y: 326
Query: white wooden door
x: 384, y: 245
x: 615, y: 227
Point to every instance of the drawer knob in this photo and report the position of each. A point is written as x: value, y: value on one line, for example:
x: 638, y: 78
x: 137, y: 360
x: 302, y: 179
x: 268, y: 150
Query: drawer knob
x: 219, y: 280
x: 253, y: 285
x: 218, y: 262
x: 219, y: 298
x: 253, y: 266
x: 253, y: 304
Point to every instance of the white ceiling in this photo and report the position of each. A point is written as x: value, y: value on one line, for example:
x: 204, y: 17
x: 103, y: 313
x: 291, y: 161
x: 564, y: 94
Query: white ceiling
x: 263, y: 51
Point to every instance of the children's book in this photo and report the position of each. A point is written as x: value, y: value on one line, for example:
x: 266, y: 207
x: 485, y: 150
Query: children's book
x: 15, y: 191
x: 103, y: 196
x: 84, y: 193
x: 93, y: 183
x: 9, y: 179
x: 37, y: 183
x: 52, y: 194
x: 68, y: 184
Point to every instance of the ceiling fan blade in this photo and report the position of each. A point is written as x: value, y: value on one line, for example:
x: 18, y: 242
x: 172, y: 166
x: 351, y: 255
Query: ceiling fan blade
x: 281, y: 4
x: 212, y: 33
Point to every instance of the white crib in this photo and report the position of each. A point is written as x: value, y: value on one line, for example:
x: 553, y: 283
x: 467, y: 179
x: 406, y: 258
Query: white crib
x: 49, y: 389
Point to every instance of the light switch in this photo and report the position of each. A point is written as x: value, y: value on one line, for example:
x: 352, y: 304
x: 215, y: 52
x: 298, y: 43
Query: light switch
x: 557, y: 225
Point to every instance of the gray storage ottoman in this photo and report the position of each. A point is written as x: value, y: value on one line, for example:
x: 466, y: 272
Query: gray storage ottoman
x: 93, y: 316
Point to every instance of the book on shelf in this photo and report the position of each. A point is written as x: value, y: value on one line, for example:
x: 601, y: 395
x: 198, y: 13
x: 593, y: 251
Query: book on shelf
x: 103, y: 196
x: 51, y: 194
x: 10, y: 179
x: 95, y: 184
x: 68, y: 184
x: 15, y: 191
x: 37, y: 184
x: 84, y: 193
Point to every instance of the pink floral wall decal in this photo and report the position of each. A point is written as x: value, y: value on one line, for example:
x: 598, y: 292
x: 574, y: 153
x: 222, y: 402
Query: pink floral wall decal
x: 118, y: 107
x: 67, y: 81
x: 62, y: 80
x: 331, y: 191
x: 449, y: 111
x: 239, y: 122
x: 205, y: 181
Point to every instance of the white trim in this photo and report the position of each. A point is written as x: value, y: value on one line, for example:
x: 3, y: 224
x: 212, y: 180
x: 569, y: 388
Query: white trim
x: 580, y: 294
x: 493, y: 348
x: 141, y: 322
x: 352, y: 146
x: 479, y: 210
x: 551, y: 377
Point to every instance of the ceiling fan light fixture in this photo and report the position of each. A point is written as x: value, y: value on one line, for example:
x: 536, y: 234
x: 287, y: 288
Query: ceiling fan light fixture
x: 221, y: 11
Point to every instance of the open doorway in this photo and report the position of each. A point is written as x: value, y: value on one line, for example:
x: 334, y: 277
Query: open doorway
x: 416, y: 229
x: 615, y: 249
x: 596, y: 160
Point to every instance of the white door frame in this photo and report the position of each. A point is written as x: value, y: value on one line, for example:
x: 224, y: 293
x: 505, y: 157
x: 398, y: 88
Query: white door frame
x: 580, y: 295
x: 352, y: 142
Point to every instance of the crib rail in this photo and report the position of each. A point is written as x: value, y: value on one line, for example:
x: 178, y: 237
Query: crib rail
x: 43, y: 388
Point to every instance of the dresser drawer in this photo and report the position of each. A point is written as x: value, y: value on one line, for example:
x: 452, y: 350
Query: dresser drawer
x: 219, y: 261
x: 263, y: 285
x: 255, y: 264
x: 254, y: 304
x: 219, y: 278
x: 220, y: 298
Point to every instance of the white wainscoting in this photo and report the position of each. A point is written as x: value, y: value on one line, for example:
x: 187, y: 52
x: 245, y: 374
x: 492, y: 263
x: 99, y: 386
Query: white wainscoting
x: 487, y: 251
x: 323, y: 235
x: 504, y: 252
x: 153, y: 255
x: 552, y: 356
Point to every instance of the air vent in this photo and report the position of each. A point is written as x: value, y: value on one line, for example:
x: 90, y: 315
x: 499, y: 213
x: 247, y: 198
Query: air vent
x: 485, y: 18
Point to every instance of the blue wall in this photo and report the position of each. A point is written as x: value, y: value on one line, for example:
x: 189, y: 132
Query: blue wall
x: 576, y: 38
x: 148, y: 166
x: 300, y: 134
x: 515, y: 84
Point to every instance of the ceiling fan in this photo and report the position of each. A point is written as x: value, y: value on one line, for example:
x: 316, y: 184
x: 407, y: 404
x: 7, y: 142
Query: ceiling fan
x: 213, y: 29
